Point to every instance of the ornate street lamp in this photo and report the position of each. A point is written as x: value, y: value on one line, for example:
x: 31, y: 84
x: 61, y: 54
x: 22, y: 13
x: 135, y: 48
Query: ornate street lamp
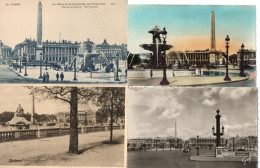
x: 20, y: 63
x: 233, y: 143
x: 218, y: 133
x: 117, y: 79
x: 242, y: 74
x: 164, y: 80
x: 227, y: 78
x: 75, y: 68
x: 198, y: 152
x: 16, y: 60
x: 40, y: 77
x: 25, y: 63
x: 46, y: 68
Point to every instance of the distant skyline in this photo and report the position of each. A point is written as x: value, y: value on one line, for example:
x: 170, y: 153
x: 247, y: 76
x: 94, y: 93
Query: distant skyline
x: 188, y: 26
x: 153, y: 112
x: 21, y: 95
x: 74, y: 24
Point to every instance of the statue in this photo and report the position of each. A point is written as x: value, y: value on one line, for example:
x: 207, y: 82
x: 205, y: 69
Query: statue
x: 19, y: 111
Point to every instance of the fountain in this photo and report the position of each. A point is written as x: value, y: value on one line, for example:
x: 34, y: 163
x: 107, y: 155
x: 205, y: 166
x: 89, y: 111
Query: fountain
x: 19, y: 121
x: 156, y: 60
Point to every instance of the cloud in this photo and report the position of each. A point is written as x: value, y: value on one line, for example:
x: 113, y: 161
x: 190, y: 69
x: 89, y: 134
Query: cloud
x: 171, y: 114
x: 234, y: 93
x: 209, y: 102
x: 245, y: 129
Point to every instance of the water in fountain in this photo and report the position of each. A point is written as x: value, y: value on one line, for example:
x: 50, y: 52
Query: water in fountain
x: 157, y: 48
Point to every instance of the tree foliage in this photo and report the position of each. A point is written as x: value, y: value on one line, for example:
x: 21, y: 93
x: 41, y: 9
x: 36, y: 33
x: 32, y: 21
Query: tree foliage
x: 133, y: 61
x: 72, y: 96
x: 111, y: 101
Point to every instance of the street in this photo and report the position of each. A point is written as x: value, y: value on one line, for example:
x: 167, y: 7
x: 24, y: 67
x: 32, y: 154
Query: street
x: 176, y: 159
x: 53, y: 151
x: 9, y: 76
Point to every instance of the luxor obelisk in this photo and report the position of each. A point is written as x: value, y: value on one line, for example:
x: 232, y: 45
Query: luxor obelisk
x: 39, y: 48
x: 212, y: 59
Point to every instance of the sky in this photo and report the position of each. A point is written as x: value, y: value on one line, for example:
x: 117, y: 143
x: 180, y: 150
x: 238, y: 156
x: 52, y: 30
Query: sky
x: 21, y: 95
x: 189, y: 26
x: 153, y: 112
x: 75, y: 24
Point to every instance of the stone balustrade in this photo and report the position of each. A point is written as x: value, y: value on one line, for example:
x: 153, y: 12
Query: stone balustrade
x: 49, y: 132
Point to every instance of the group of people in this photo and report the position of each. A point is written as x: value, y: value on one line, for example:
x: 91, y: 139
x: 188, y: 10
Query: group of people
x: 61, y: 76
x: 46, y: 77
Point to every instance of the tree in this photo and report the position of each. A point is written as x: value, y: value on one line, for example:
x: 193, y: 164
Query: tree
x: 133, y: 59
x: 6, y: 116
x: 111, y: 101
x: 69, y: 95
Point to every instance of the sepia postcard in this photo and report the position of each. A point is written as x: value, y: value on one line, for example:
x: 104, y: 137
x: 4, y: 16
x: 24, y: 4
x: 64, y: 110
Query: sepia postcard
x: 63, y: 41
x: 192, y: 45
x: 62, y: 126
x: 192, y: 127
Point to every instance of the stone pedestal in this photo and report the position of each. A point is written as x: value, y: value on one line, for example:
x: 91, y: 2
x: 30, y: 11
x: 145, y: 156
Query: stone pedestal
x: 219, y: 151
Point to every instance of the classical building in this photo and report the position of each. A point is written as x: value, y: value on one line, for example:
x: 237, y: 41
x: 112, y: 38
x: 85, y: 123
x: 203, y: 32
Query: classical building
x: 5, y: 53
x: 159, y: 142
x: 64, y: 52
x: 249, y: 56
x: 247, y: 143
x: 198, y: 57
x: 206, y: 142
x: 84, y: 117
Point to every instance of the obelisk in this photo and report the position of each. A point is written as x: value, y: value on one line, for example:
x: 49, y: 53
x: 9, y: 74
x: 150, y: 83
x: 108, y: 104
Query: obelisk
x: 213, y: 39
x: 212, y: 55
x: 33, y: 110
x: 39, y: 47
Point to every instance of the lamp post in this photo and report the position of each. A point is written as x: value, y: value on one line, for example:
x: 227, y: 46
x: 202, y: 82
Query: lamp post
x: 164, y: 80
x: 85, y: 118
x: 46, y: 68
x: 198, y: 152
x: 117, y: 79
x: 40, y: 77
x: 227, y: 78
x: 16, y: 60
x: 75, y: 68
x: 20, y: 63
x: 25, y: 64
x: 233, y: 143
x: 218, y: 134
x: 242, y: 74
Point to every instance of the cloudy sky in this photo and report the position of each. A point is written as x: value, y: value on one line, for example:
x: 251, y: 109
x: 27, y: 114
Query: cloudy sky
x: 76, y: 24
x: 21, y: 95
x: 189, y: 26
x: 153, y: 112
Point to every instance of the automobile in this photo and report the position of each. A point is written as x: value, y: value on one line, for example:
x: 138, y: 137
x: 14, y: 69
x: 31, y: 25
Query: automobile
x: 186, y: 150
x: 241, y: 149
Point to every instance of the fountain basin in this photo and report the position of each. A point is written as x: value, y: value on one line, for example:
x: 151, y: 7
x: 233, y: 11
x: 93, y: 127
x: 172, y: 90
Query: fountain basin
x: 146, y: 73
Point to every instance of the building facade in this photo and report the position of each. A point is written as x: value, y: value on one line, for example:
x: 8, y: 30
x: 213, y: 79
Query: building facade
x: 63, y: 52
x: 206, y: 142
x: 87, y: 117
x: 5, y: 53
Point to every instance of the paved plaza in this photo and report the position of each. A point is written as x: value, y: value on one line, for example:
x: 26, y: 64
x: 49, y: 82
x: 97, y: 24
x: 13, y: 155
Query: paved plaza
x: 216, y: 81
x: 53, y: 151
x: 178, y: 159
x: 12, y: 75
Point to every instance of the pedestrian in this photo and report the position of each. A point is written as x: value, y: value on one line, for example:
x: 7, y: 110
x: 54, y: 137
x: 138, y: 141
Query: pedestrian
x: 44, y: 77
x: 61, y: 76
x: 47, y: 77
x: 90, y: 74
x: 151, y: 73
x: 57, y: 76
